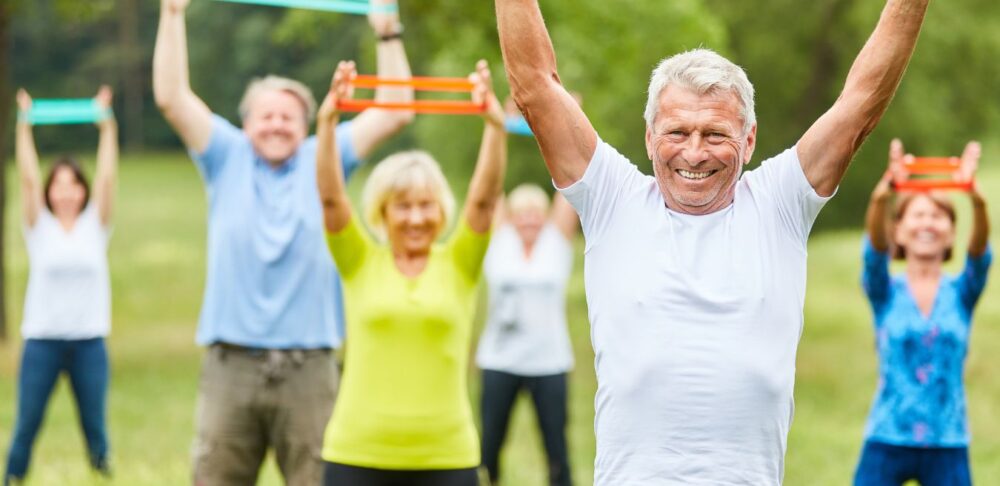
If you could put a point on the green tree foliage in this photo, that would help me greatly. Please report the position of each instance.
(796, 53)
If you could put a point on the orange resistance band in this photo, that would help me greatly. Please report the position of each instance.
(448, 107)
(943, 167)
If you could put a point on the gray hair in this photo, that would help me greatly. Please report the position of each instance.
(278, 83)
(703, 71)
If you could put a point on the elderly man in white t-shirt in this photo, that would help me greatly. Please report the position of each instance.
(696, 276)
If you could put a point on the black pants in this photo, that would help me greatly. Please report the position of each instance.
(344, 475)
(549, 394)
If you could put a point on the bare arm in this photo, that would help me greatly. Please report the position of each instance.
(826, 149)
(564, 217)
(107, 161)
(187, 114)
(374, 126)
(565, 136)
(980, 218)
(486, 186)
(27, 163)
(329, 170)
(878, 205)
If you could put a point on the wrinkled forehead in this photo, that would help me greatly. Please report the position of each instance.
(276, 101)
(717, 105)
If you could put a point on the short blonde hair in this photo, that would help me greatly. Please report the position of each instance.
(400, 172)
(278, 83)
(526, 197)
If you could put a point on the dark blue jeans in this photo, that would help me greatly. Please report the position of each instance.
(889, 465)
(42, 361)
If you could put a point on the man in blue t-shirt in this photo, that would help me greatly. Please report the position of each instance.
(271, 313)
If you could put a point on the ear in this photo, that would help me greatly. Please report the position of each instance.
(751, 141)
(649, 142)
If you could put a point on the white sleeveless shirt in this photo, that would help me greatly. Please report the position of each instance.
(69, 288)
(525, 330)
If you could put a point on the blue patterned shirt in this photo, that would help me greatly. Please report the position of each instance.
(920, 400)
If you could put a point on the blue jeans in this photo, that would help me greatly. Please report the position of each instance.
(42, 361)
(889, 465)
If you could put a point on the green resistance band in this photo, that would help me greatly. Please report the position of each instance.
(357, 7)
(64, 112)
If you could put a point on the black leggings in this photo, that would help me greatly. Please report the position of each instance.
(344, 475)
(549, 394)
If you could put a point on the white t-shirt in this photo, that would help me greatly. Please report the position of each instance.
(695, 322)
(525, 330)
(69, 289)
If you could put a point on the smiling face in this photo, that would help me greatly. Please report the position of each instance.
(413, 220)
(276, 125)
(925, 230)
(65, 194)
(528, 222)
(698, 148)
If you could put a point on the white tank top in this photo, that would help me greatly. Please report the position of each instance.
(525, 330)
(69, 288)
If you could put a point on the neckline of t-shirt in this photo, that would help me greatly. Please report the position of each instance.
(701, 217)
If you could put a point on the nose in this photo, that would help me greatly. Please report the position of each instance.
(693, 151)
(415, 216)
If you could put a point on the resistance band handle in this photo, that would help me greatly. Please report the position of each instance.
(443, 107)
(924, 185)
(357, 7)
(460, 85)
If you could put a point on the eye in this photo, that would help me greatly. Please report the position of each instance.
(676, 135)
(716, 137)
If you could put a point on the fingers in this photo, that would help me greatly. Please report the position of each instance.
(340, 86)
(23, 100)
(895, 151)
(104, 95)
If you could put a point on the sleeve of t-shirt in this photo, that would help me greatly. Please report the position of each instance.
(348, 155)
(780, 179)
(875, 278)
(350, 247)
(468, 249)
(972, 281)
(598, 194)
(224, 137)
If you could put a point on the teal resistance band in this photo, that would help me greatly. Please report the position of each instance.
(517, 125)
(64, 112)
(358, 7)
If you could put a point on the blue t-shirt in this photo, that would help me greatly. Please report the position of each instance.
(920, 400)
(271, 282)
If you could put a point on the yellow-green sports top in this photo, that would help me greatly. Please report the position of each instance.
(403, 402)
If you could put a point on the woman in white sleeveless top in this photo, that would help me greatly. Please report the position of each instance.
(67, 307)
(525, 344)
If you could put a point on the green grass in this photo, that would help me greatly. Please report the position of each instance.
(158, 262)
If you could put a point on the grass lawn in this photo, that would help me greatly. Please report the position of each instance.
(158, 263)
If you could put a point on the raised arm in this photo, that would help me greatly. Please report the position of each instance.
(980, 218)
(486, 187)
(565, 136)
(107, 160)
(878, 205)
(329, 171)
(374, 126)
(186, 113)
(27, 163)
(564, 216)
(826, 149)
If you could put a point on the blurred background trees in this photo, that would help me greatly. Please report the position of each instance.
(797, 54)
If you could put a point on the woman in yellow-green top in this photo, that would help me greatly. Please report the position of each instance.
(403, 415)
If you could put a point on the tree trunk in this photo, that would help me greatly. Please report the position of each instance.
(6, 98)
(131, 73)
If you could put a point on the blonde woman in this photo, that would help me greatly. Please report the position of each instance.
(403, 414)
(525, 345)
(67, 306)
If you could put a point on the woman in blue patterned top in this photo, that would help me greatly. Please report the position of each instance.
(917, 427)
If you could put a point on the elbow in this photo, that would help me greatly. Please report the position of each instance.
(533, 88)
(400, 119)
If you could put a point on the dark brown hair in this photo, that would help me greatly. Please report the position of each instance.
(67, 162)
(903, 203)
